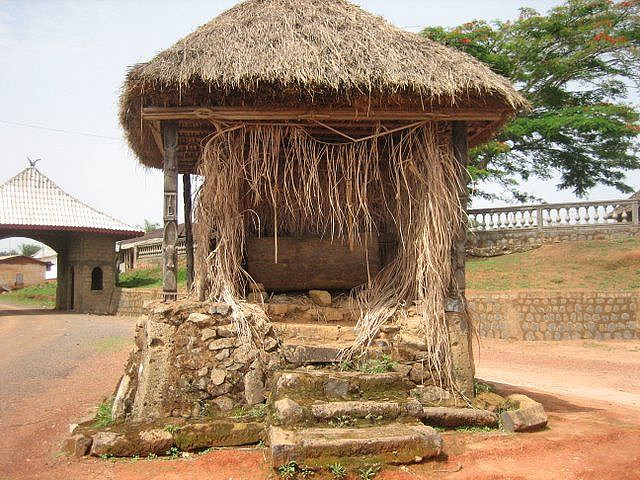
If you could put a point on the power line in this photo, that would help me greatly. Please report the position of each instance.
(58, 130)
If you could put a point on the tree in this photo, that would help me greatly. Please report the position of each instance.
(29, 249)
(149, 226)
(8, 253)
(576, 65)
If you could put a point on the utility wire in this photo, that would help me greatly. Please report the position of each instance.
(58, 130)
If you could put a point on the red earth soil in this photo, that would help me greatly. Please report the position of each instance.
(591, 391)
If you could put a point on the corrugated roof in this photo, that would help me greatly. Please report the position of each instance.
(31, 200)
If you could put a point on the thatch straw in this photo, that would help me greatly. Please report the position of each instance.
(308, 46)
(275, 179)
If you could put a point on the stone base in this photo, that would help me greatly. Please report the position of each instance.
(391, 444)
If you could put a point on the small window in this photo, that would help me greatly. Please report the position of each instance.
(96, 279)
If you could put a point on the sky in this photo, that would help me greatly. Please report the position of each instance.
(62, 64)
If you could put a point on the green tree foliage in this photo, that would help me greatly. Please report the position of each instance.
(149, 226)
(28, 249)
(576, 65)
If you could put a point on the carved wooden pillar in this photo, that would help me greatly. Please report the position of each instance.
(460, 331)
(461, 153)
(188, 231)
(170, 237)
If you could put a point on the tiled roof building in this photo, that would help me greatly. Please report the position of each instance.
(31, 199)
(33, 206)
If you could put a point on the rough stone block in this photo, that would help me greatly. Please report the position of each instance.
(458, 417)
(197, 436)
(288, 411)
(199, 318)
(362, 409)
(77, 445)
(321, 298)
(395, 444)
(308, 354)
(528, 417)
(432, 395)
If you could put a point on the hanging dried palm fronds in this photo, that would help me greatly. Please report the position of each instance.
(279, 180)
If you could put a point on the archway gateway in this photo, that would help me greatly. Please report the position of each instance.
(33, 206)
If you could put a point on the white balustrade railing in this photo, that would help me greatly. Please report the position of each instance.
(155, 249)
(556, 215)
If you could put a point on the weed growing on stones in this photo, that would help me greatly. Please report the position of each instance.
(103, 415)
(383, 364)
(173, 453)
(288, 470)
(368, 473)
(172, 428)
(343, 421)
(480, 387)
(257, 412)
(473, 429)
(338, 471)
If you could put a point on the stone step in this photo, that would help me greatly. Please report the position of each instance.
(309, 333)
(284, 312)
(349, 413)
(389, 444)
(308, 353)
(325, 384)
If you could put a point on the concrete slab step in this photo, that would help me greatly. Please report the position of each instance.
(390, 444)
(351, 413)
(331, 385)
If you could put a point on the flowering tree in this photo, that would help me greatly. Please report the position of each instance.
(577, 65)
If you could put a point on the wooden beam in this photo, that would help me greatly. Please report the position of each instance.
(188, 232)
(156, 131)
(326, 114)
(170, 215)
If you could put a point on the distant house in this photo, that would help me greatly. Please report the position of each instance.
(48, 255)
(17, 271)
(146, 251)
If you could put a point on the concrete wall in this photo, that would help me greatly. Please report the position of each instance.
(496, 242)
(540, 315)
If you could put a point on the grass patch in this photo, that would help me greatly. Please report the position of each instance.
(474, 429)
(103, 415)
(257, 412)
(42, 295)
(148, 278)
(608, 265)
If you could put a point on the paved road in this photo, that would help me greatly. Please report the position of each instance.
(40, 346)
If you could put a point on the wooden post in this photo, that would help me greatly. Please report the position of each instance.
(460, 331)
(461, 152)
(170, 237)
(188, 232)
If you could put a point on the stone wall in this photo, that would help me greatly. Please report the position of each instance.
(498, 242)
(129, 302)
(540, 315)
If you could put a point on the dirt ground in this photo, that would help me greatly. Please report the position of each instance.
(54, 367)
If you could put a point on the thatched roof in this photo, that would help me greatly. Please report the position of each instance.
(314, 46)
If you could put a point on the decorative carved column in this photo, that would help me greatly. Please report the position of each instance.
(188, 231)
(461, 153)
(170, 237)
(460, 331)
